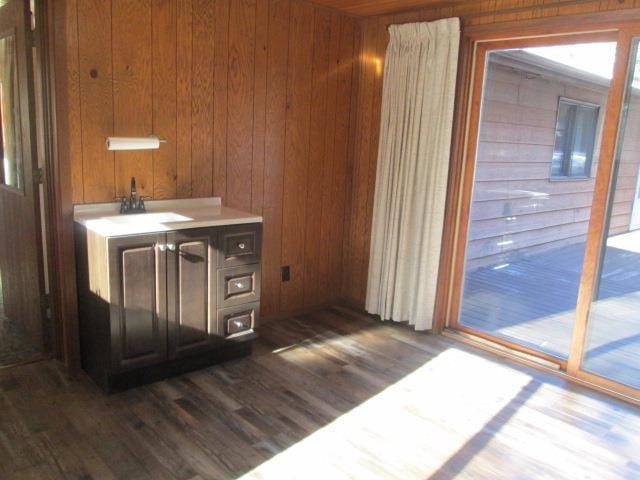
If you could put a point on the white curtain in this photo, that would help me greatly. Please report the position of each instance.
(413, 162)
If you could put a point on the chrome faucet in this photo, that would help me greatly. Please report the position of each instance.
(134, 203)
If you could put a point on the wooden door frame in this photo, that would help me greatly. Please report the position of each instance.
(476, 41)
(636, 204)
(58, 208)
(41, 146)
(25, 195)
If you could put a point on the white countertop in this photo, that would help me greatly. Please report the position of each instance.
(162, 216)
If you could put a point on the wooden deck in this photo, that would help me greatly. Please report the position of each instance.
(532, 300)
(333, 395)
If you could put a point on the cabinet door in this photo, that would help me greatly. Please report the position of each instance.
(191, 291)
(137, 280)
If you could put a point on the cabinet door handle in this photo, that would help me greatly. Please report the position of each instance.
(162, 247)
(171, 247)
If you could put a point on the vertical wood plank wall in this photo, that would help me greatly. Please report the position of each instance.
(374, 39)
(255, 100)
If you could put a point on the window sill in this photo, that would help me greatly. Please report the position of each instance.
(568, 179)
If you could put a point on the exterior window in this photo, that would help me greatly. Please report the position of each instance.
(10, 145)
(575, 139)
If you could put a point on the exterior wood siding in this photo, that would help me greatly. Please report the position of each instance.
(516, 204)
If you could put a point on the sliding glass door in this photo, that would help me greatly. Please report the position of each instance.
(612, 348)
(547, 252)
(538, 146)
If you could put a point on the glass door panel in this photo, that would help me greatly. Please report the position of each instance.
(612, 346)
(538, 146)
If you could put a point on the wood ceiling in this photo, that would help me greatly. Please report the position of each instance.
(366, 8)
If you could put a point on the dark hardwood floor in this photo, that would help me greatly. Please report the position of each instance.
(325, 396)
(15, 345)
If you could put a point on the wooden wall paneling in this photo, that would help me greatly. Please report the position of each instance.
(344, 132)
(164, 95)
(585, 7)
(517, 13)
(369, 68)
(241, 65)
(202, 98)
(70, 117)
(606, 5)
(259, 105)
(276, 110)
(296, 152)
(368, 8)
(96, 99)
(380, 49)
(355, 126)
(221, 98)
(184, 66)
(132, 96)
(470, 8)
(328, 219)
(318, 157)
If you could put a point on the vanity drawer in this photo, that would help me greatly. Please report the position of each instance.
(239, 245)
(238, 285)
(235, 322)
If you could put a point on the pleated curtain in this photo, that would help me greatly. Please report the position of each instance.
(413, 163)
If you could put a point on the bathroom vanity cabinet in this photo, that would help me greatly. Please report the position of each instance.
(160, 303)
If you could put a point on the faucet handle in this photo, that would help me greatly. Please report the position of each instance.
(141, 200)
(124, 203)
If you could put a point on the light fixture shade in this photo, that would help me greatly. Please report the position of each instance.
(151, 142)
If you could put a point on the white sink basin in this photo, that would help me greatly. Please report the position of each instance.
(114, 225)
(163, 216)
(146, 218)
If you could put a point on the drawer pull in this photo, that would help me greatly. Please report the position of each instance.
(238, 325)
(240, 285)
(242, 246)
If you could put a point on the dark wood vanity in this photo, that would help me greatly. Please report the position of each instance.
(157, 304)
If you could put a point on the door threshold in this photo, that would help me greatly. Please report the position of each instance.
(504, 350)
(534, 362)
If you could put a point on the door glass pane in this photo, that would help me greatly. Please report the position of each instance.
(532, 191)
(10, 145)
(613, 334)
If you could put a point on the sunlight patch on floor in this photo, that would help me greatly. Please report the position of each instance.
(416, 424)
